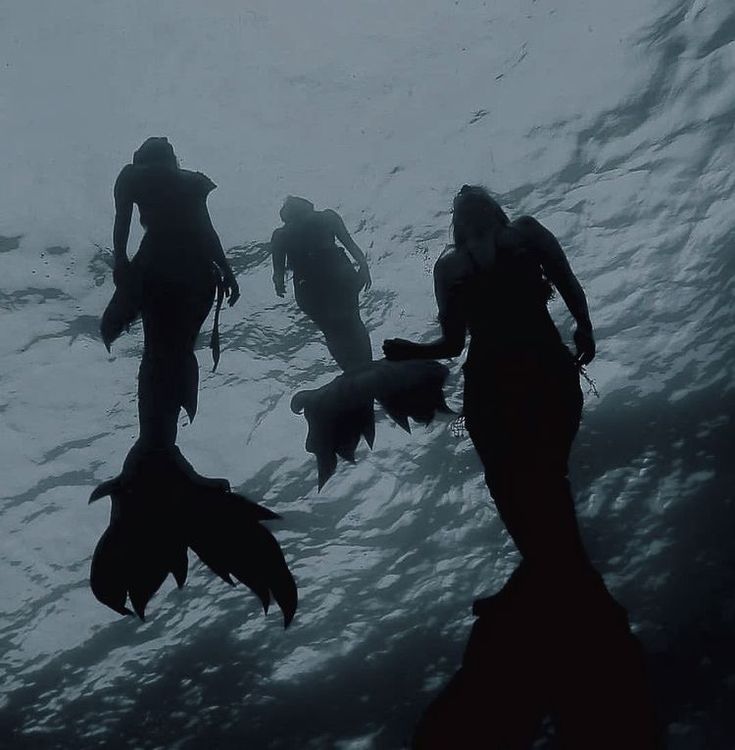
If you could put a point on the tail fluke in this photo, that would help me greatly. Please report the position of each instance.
(160, 507)
(225, 532)
(412, 389)
(107, 577)
(341, 412)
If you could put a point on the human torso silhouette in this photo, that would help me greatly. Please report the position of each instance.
(310, 246)
(171, 204)
(504, 306)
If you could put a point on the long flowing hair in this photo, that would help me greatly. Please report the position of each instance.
(476, 214)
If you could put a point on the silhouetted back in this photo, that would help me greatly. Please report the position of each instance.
(310, 245)
(170, 200)
(505, 307)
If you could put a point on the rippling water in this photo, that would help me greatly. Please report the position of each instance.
(611, 122)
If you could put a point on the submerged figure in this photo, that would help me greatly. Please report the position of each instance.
(171, 282)
(326, 285)
(160, 506)
(522, 400)
(553, 640)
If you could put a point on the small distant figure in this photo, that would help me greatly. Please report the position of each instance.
(326, 284)
(171, 282)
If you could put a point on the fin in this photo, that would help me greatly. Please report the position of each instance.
(224, 530)
(368, 429)
(341, 412)
(161, 506)
(299, 401)
(190, 387)
(105, 489)
(106, 577)
(326, 466)
(120, 313)
(399, 418)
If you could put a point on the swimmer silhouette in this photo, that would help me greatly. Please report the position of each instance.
(326, 285)
(522, 400)
(552, 640)
(171, 282)
(160, 505)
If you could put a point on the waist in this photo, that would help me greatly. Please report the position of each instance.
(501, 354)
(323, 265)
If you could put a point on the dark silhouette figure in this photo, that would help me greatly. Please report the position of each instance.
(341, 412)
(160, 505)
(171, 282)
(522, 406)
(326, 284)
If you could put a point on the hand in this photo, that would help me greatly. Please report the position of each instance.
(121, 271)
(232, 290)
(397, 350)
(279, 285)
(585, 343)
(363, 276)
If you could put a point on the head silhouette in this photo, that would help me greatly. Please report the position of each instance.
(295, 208)
(156, 152)
(476, 215)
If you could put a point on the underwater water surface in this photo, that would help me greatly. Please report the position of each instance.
(611, 123)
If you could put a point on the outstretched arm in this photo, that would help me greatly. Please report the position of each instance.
(340, 231)
(451, 319)
(559, 272)
(121, 228)
(278, 255)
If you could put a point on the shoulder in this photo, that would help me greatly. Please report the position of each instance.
(330, 217)
(534, 237)
(125, 182)
(277, 235)
(526, 227)
(127, 175)
(198, 181)
(451, 267)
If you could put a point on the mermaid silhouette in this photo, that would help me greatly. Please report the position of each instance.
(552, 640)
(326, 285)
(522, 400)
(160, 505)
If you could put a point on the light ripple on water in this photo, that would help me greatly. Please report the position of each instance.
(628, 157)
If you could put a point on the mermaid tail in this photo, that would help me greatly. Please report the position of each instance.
(341, 412)
(160, 508)
(546, 646)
